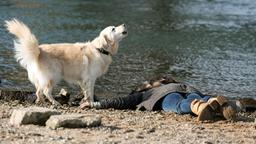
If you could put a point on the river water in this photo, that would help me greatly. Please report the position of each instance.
(210, 44)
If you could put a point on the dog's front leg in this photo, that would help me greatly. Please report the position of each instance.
(91, 90)
(88, 90)
(85, 91)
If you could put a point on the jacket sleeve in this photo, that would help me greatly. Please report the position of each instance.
(127, 102)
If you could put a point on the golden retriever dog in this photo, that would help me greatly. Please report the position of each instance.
(79, 63)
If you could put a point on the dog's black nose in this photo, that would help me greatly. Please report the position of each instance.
(124, 25)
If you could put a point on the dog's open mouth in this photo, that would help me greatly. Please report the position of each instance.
(124, 32)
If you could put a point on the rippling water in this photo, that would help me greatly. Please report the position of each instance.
(207, 43)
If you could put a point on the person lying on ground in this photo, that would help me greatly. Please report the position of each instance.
(169, 95)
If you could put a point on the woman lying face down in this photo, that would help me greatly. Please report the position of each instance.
(167, 94)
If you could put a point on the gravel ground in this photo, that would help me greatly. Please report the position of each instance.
(125, 126)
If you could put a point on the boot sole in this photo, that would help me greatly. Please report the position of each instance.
(206, 114)
(229, 112)
(221, 103)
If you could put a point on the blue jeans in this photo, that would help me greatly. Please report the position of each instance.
(177, 103)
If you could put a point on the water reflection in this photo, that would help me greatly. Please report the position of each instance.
(207, 43)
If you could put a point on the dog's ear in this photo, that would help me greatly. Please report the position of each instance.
(112, 45)
(107, 40)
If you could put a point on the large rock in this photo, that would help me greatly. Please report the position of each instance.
(73, 121)
(31, 115)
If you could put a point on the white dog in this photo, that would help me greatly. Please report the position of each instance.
(80, 63)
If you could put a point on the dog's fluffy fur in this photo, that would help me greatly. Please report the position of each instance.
(80, 63)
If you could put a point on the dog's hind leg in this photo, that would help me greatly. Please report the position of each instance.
(39, 95)
(48, 93)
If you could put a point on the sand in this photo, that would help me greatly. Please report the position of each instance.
(127, 126)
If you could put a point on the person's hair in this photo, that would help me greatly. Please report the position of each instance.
(155, 82)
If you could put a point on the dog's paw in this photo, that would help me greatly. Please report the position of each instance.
(85, 105)
(83, 101)
(55, 103)
(40, 101)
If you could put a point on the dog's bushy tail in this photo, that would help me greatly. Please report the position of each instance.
(26, 46)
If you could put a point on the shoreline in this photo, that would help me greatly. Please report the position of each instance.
(127, 126)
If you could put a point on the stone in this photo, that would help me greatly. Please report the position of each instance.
(31, 115)
(63, 97)
(63, 92)
(73, 121)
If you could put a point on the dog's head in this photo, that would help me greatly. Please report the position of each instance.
(111, 36)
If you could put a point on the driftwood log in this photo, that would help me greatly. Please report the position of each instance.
(249, 104)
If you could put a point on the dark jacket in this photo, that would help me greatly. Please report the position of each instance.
(147, 100)
(152, 96)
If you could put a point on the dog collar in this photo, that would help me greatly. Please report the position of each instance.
(103, 51)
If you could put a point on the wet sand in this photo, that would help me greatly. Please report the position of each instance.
(126, 126)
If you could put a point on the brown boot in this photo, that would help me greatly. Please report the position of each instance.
(221, 105)
(203, 110)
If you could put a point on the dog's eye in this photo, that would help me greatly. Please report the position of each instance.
(113, 29)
